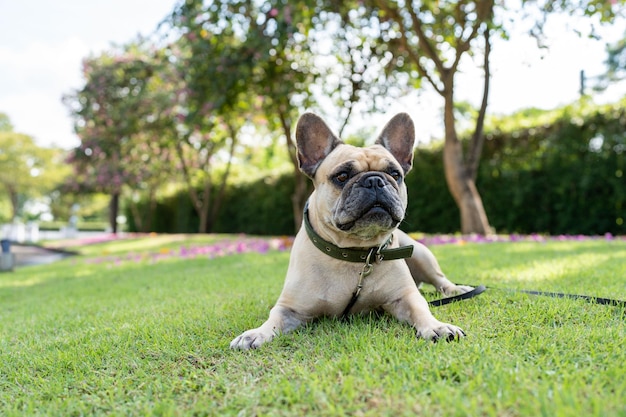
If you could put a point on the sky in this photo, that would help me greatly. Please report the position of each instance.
(42, 44)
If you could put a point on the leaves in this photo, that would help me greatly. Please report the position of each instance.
(26, 170)
(229, 73)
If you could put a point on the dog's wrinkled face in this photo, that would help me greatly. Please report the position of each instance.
(360, 191)
(364, 189)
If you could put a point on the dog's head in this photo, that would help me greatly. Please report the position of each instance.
(359, 192)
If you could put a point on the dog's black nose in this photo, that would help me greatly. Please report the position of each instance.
(373, 181)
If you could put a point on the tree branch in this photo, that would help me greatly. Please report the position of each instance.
(484, 10)
(355, 87)
(478, 138)
(192, 191)
(291, 145)
(217, 201)
(427, 47)
(406, 47)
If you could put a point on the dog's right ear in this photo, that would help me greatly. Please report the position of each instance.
(315, 141)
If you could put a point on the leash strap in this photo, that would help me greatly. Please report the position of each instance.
(346, 311)
(481, 288)
(383, 254)
(588, 298)
(470, 294)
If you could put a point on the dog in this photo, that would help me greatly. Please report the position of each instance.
(349, 256)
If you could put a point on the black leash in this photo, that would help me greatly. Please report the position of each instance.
(481, 288)
(588, 298)
(373, 255)
(470, 294)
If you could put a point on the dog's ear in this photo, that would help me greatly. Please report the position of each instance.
(315, 141)
(398, 137)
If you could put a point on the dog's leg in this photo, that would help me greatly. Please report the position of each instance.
(425, 268)
(413, 309)
(281, 320)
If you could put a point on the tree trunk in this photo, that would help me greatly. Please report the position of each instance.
(458, 176)
(15, 204)
(151, 210)
(114, 207)
(299, 197)
(137, 217)
(200, 203)
(301, 188)
(202, 207)
(143, 219)
(219, 195)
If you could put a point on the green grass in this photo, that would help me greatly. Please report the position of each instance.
(142, 244)
(135, 339)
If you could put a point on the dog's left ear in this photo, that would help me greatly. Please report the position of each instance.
(398, 137)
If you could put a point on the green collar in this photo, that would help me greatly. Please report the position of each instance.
(355, 254)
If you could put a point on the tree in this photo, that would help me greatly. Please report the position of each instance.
(112, 114)
(616, 60)
(243, 58)
(432, 40)
(26, 170)
(615, 66)
(266, 60)
(233, 61)
(209, 72)
(319, 58)
(5, 123)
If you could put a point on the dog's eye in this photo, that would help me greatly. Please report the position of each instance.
(342, 177)
(396, 175)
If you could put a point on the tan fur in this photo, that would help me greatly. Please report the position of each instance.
(318, 285)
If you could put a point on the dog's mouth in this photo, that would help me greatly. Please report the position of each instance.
(379, 207)
(377, 213)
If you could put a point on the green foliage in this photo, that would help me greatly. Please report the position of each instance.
(112, 114)
(226, 70)
(153, 112)
(431, 207)
(120, 117)
(81, 225)
(5, 123)
(88, 207)
(262, 207)
(562, 175)
(27, 171)
(615, 65)
(138, 339)
(171, 214)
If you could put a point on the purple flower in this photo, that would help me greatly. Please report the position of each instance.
(244, 244)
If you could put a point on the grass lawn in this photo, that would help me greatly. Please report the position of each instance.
(137, 336)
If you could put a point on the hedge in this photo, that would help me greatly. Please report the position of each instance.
(564, 177)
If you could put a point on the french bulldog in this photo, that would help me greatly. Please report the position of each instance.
(349, 256)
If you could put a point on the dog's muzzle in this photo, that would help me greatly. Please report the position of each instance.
(371, 199)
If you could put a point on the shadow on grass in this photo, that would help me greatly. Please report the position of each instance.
(597, 267)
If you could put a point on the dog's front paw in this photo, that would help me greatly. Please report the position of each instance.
(453, 290)
(251, 339)
(440, 331)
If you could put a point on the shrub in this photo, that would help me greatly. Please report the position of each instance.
(564, 176)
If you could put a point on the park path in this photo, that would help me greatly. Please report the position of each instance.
(36, 255)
